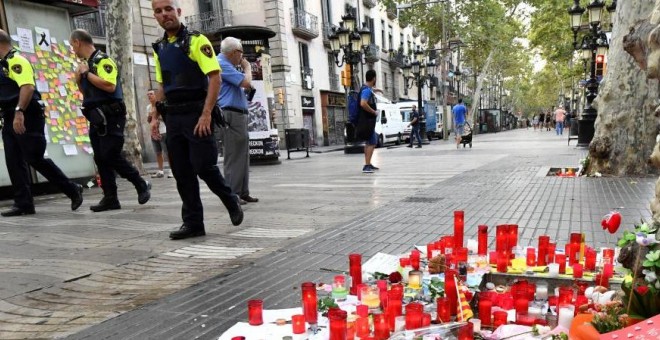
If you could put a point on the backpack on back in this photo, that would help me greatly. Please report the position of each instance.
(354, 106)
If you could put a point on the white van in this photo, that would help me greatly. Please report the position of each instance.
(433, 119)
(389, 125)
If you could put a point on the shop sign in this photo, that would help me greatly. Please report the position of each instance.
(307, 102)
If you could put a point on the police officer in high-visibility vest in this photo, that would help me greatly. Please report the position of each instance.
(189, 76)
(103, 106)
(23, 132)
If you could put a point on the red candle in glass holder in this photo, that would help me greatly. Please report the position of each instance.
(309, 302)
(461, 254)
(492, 257)
(577, 271)
(482, 238)
(362, 310)
(255, 312)
(502, 263)
(608, 270)
(608, 256)
(381, 284)
(394, 302)
(362, 327)
(426, 320)
(338, 326)
(450, 291)
(414, 313)
(414, 259)
(298, 323)
(381, 328)
(499, 318)
(590, 259)
(442, 304)
(459, 227)
(573, 253)
(383, 299)
(552, 248)
(355, 270)
(544, 241)
(521, 305)
(513, 236)
(485, 307)
(565, 296)
(531, 257)
(561, 260)
(502, 237)
(466, 332)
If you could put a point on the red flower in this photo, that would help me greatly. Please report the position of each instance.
(642, 290)
(395, 277)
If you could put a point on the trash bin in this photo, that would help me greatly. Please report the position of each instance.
(296, 140)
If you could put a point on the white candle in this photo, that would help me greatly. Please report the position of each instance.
(553, 269)
(541, 292)
(476, 324)
(566, 316)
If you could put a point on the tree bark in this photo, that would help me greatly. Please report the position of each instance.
(119, 35)
(477, 93)
(625, 126)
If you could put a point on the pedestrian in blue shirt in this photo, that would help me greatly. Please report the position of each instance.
(234, 104)
(459, 111)
(366, 128)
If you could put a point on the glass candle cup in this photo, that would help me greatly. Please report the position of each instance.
(370, 297)
(339, 290)
(255, 312)
(298, 324)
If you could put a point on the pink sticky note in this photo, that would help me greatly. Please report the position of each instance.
(53, 122)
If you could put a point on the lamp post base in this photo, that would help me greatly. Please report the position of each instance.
(354, 148)
(586, 131)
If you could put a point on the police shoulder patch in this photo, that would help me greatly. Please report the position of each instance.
(17, 68)
(107, 68)
(207, 50)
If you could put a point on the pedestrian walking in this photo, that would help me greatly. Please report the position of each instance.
(159, 144)
(23, 132)
(233, 101)
(103, 106)
(366, 128)
(414, 131)
(189, 77)
(535, 122)
(459, 111)
(560, 115)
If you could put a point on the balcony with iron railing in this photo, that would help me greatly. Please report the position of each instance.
(327, 32)
(307, 77)
(334, 81)
(397, 58)
(372, 53)
(304, 25)
(391, 12)
(94, 23)
(370, 3)
(211, 21)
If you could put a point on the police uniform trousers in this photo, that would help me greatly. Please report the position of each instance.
(28, 149)
(108, 157)
(237, 152)
(194, 156)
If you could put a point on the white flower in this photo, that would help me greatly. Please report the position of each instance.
(645, 240)
(649, 275)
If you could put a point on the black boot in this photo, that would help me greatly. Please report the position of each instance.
(109, 202)
(77, 197)
(144, 192)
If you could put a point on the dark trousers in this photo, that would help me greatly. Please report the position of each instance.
(194, 156)
(414, 132)
(108, 157)
(28, 149)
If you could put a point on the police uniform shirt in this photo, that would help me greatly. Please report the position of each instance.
(201, 52)
(20, 70)
(106, 69)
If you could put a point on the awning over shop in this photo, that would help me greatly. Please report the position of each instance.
(89, 3)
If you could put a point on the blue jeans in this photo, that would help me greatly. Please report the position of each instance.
(414, 132)
(559, 126)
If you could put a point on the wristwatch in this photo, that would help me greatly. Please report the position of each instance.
(18, 109)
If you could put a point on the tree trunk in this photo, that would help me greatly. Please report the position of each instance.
(477, 93)
(119, 34)
(625, 126)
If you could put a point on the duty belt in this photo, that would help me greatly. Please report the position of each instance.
(235, 109)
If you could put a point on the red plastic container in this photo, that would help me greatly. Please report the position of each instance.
(255, 312)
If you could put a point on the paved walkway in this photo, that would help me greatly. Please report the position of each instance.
(63, 271)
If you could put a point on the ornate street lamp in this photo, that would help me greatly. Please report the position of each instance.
(594, 42)
(419, 72)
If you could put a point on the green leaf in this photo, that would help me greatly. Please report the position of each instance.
(630, 237)
(647, 263)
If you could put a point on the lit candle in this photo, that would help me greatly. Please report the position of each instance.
(499, 318)
(566, 314)
(381, 328)
(521, 305)
(501, 238)
(552, 247)
(502, 263)
(298, 323)
(608, 256)
(492, 257)
(531, 257)
(255, 312)
(362, 327)
(482, 237)
(485, 307)
(339, 291)
(371, 297)
(544, 240)
(458, 228)
(513, 237)
(450, 291)
(590, 259)
(415, 279)
(561, 260)
(309, 302)
(608, 270)
(362, 310)
(442, 305)
(338, 326)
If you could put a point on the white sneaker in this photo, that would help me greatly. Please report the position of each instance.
(158, 174)
(170, 175)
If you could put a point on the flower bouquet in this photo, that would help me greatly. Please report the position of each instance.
(640, 253)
